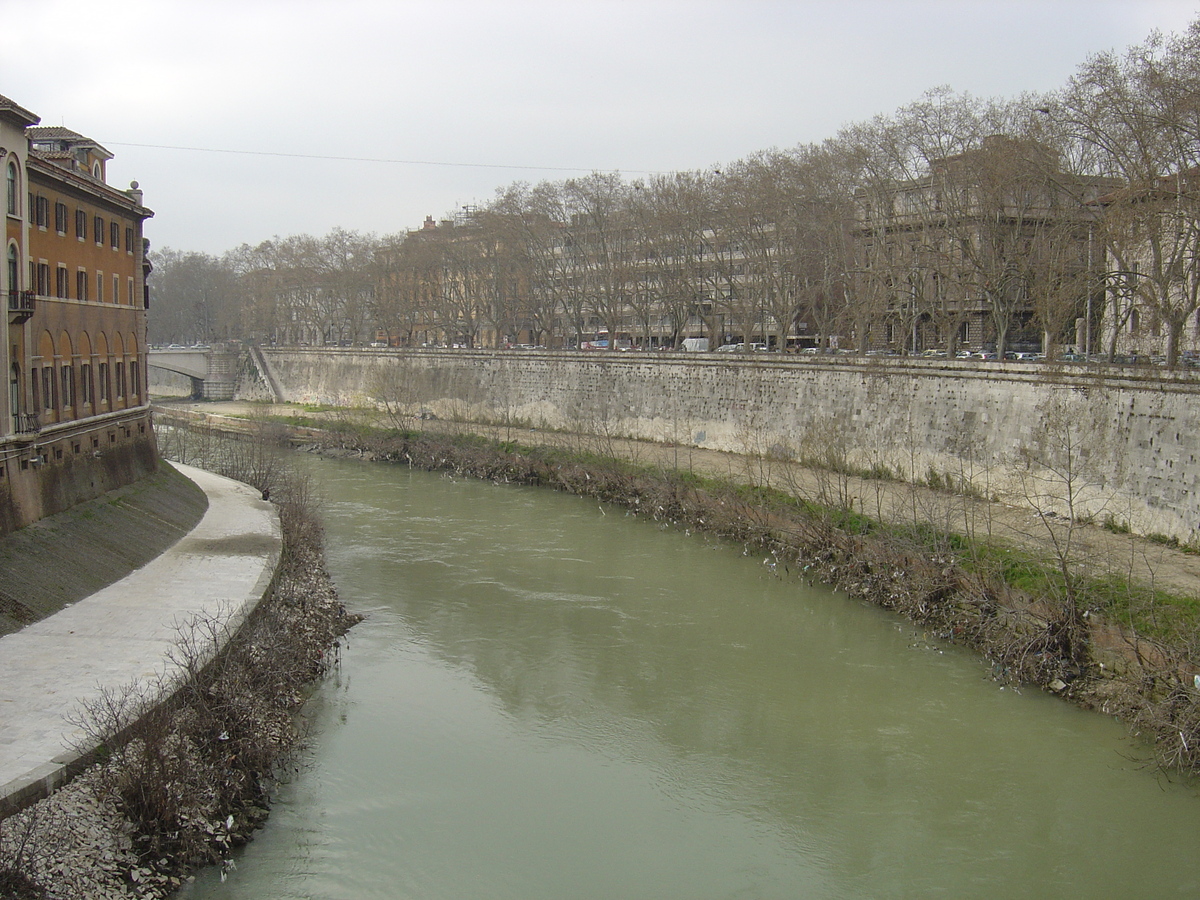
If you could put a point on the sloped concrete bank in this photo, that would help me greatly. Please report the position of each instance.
(127, 633)
(93, 544)
(195, 666)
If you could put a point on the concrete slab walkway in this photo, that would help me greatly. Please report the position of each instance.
(124, 633)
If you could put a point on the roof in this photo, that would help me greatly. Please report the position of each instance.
(65, 135)
(12, 110)
(1184, 184)
(129, 200)
(55, 132)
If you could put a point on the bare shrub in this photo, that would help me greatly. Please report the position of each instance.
(188, 759)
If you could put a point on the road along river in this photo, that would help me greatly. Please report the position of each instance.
(551, 699)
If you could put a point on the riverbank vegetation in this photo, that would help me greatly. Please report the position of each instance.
(1051, 619)
(179, 784)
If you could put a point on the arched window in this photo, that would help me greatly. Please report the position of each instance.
(14, 271)
(14, 192)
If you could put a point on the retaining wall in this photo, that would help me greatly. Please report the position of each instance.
(1119, 443)
(71, 462)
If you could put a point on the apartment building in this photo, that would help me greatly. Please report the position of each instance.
(990, 248)
(1151, 237)
(75, 421)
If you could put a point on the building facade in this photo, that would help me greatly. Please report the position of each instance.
(990, 249)
(1151, 238)
(75, 421)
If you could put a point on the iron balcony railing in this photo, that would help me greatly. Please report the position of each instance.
(26, 423)
(21, 303)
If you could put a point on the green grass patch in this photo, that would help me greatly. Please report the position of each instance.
(1153, 613)
(1174, 543)
(1111, 523)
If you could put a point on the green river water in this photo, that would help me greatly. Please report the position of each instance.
(553, 700)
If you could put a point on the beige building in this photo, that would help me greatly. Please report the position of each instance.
(1151, 237)
(992, 248)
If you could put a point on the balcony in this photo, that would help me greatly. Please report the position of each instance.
(26, 425)
(20, 306)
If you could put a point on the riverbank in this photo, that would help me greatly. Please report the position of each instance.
(93, 544)
(1052, 618)
(177, 784)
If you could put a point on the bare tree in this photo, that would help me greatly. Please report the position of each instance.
(195, 298)
(1137, 117)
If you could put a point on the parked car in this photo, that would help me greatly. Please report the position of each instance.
(740, 347)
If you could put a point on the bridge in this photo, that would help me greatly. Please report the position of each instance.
(213, 370)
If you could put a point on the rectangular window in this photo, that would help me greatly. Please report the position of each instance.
(99, 287)
(68, 387)
(43, 279)
(114, 235)
(48, 388)
(120, 380)
(98, 230)
(35, 389)
(130, 286)
(85, 384)
(60, 218)
(103, 378)
(116, 294)
(81, 224)
(81, 284)
(135, 378)
(128, 240)
(62, 283)
(43, 212)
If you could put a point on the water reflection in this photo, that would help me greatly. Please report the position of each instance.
(551, 700)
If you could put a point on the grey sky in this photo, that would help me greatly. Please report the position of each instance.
(495, 90)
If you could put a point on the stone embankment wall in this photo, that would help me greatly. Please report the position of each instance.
(72, 462)
(1112, 443)
(165, 383)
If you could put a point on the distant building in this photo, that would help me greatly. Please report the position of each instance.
(1151, 236)
(989, 249)
(75, 421)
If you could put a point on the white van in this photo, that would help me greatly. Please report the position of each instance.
(694, 345)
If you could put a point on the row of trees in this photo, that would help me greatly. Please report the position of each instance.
(952, 220)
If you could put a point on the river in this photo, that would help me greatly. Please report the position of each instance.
(552, 699)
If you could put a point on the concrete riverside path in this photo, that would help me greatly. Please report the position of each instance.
(124, 634)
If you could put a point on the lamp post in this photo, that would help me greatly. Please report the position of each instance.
(1091, 277)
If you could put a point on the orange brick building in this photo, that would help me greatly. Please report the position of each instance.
(75, 421)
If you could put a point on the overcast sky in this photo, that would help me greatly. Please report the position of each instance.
(458, 98)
